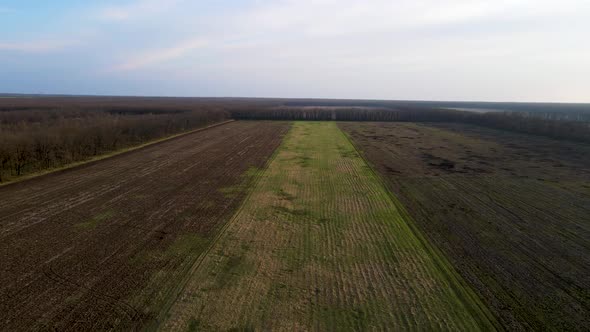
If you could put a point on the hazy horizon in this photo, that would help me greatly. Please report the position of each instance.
(501, 51)
(42, 95)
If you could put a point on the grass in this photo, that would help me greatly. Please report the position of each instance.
(321, 244)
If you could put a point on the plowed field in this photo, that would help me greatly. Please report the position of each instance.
(103, 246)
(510, 211)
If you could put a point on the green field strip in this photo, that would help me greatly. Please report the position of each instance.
(321, 244)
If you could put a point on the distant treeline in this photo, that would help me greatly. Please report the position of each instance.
(34, 140)
(532, 124)
(38, 133)
(529, 123)
(579, 116)
(577, 109)
(344, 114)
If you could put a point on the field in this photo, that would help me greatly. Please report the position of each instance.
(320, 244)
(429, 219)
(510, 211)
(102, 246)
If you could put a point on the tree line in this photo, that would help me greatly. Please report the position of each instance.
(44, 133)
(35, 140)
(559, 127)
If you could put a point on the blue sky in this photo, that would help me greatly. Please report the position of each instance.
(517, 50)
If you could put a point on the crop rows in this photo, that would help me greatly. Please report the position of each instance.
(104, 245)
(250, 225)
(510, 211)
(321, 245)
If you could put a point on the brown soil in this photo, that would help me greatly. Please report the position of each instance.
(102, 246)
(509, 210)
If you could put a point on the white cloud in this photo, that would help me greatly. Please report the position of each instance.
(325, 18)
(330, 17)
(154, 57)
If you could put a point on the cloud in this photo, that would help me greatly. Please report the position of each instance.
(345, 16)
(320, 47)
(154, 57)
(326, 18)
(137, 9)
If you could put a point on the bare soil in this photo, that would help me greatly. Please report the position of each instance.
(102, 246)
(509, 210)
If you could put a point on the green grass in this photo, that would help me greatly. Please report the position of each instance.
(321, 244)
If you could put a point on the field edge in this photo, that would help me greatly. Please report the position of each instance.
(466, 292)
(113, 154)
(157, 322)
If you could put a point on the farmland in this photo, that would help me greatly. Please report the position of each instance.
(510, 211)
(102, 246)
(42, 134)
(320, 244)
(129, 213)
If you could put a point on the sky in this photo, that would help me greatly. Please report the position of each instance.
(500, 50)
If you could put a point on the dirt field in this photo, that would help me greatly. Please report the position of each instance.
(510, 211)
(103, 246)
(320, 245)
